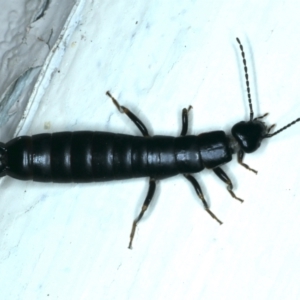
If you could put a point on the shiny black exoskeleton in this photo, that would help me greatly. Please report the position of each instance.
(86, 156)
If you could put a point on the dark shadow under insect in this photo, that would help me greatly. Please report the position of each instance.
(86, 156)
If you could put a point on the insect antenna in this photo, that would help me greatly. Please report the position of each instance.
(281, 129)
(247, 79)
(268, 135)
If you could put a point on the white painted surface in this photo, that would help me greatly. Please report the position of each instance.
(70, 241)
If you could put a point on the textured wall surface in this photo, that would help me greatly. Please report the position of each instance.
(70, 241)
(28, 32)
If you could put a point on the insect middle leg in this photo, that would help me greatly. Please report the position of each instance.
(151, 190)
(224, 177)
(198, 190)
(122, 109)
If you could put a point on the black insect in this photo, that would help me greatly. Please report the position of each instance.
(86, 156)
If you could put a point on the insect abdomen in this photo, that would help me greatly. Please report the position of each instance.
(86, 156)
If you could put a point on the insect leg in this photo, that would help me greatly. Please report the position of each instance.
(198, 190)
(122, 109)
(185, 120)
(151, 190)
(223, 176)
(240, 156)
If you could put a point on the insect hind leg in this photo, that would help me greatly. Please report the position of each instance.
(122, 109)
(150, 194)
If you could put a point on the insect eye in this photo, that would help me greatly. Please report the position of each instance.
(249, 135)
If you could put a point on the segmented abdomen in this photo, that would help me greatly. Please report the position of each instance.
(86, 156)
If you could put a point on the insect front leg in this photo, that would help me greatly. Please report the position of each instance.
(198, 190)
(122, 109)
(185, 120)
(151, 190)
(240, 157)
(223, 176)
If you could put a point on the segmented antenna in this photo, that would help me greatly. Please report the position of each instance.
(281, 129)
(247, 79)
(268, 135)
